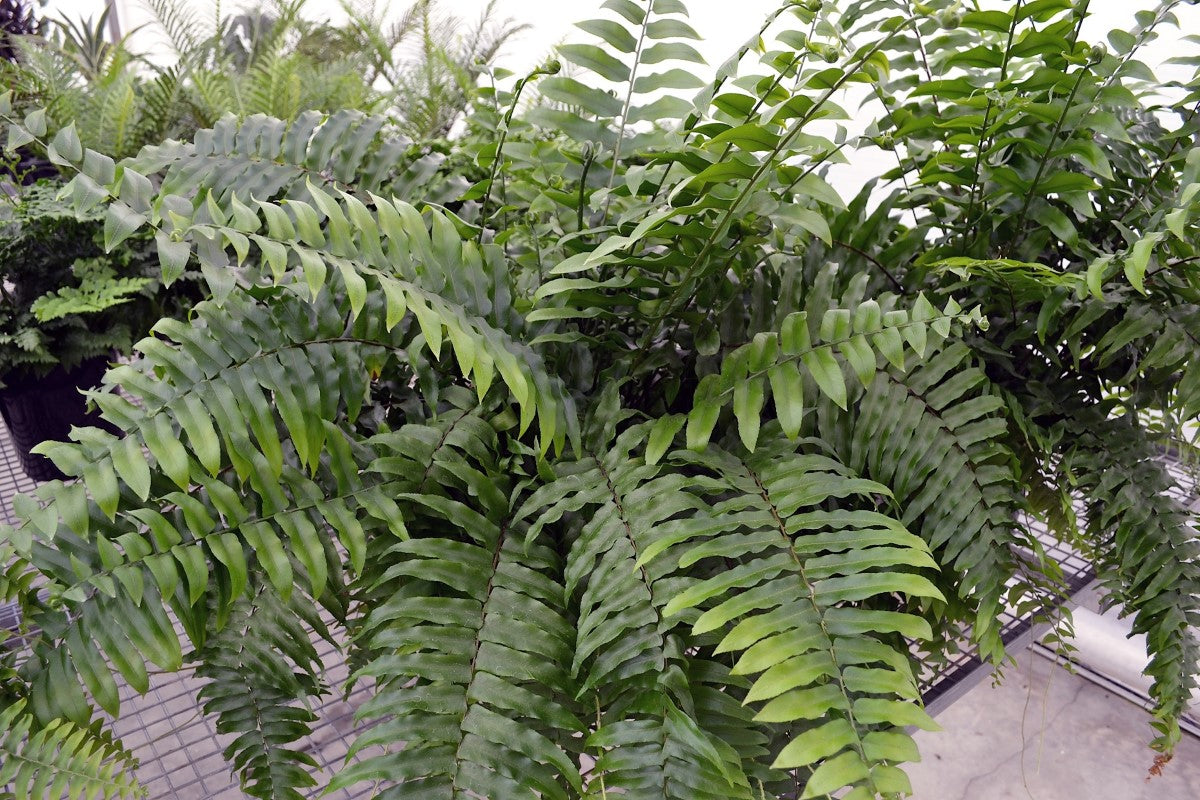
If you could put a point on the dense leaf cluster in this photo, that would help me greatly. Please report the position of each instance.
(626, 456)
(271, 58)
(63, 299)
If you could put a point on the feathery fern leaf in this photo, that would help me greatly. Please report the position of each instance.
(59, 757)
(630, 662)
(1149, 557)
(260, 665)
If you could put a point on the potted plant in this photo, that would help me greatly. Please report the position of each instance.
(653, 470)
(65, 307)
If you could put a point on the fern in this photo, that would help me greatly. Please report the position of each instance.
(630, 457)
(815, 659)
(90, 296)
(1148, 558)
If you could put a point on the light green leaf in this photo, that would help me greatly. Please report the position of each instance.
(843, 770)
(35, 122)
(662, 434)
(748, 398)
(825, 371)
(173, 256)
(66, 144)
(596, 59)
(131, 465)
(787, 390)
(612, 32)
(817, 744)
(1138, 259)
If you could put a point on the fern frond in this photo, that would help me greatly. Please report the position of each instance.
(469, 653)
(799, 605)
(268, 158)
(1149, 557)
(261, 667)
(862, 337)
(629, 661)
(635, 39)
(934, 438)
(179, 22)
(61, 758)
(87, 298)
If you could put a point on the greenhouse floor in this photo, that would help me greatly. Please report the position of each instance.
(1045, 734)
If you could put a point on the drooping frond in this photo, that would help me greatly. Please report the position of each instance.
(265, 157)
(932, 435)
(788, 361)
(262, 669)
(1149, 556)
(468, 658)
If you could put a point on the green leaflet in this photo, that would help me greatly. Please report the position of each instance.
(855, 336)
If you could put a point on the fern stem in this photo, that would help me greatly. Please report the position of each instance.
(684, 288)
(455, 789)
(984, 139)
(512, 108)
(589, 158)
(899, 287)
(637, 60)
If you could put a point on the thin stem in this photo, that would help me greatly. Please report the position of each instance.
(637, 61)
(984, 141)
(924, 60)
(896, 283)
(512, 108)
(1049, 151)
(589, 158)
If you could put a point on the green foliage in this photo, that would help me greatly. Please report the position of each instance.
(632, 458)
(65, 300)
(99, 289)
(259, 665)
(420, 70)
(60, 758)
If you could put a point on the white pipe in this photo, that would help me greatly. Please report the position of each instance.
(1104, 644)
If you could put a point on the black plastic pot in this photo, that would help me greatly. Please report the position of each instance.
(44, 409)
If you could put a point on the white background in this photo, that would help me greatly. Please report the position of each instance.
(724, 24)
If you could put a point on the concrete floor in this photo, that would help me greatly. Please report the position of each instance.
(1044, 734)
